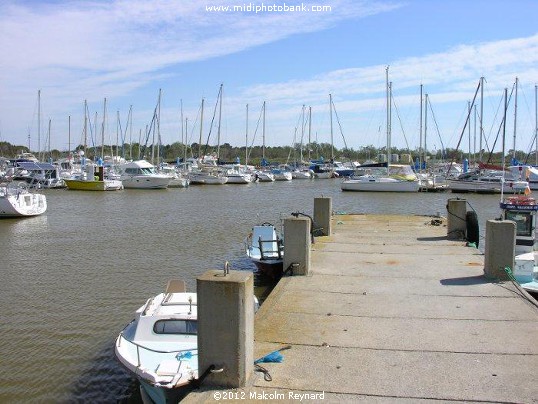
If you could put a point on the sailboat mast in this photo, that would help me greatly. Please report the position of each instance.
(536, 121)
(422, 107)
(85, 124)
(220, 119)
(246, 137)
(201, 129)
(302, 137)
(388, 117)
(504, 126)
(159, 130)
(103, 131)
(263, 132)
(425, 151)
(38, 124)
(481, 116)
(331, 119)
(69, 136)
(309, 131)
(515, 121)
(469, 109)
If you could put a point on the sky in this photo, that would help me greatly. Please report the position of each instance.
(130, 51)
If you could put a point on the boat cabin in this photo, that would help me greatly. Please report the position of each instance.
(522, 210)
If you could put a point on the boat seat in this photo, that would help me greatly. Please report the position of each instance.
(175, 286)
(168, 368)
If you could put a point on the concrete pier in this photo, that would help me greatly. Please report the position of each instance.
(225, 335)
(393, 311)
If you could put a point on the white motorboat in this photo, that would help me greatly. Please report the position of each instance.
(400, 178)
(160, 346)
(38, 175)
(265, 248)
(141, 174)
(17, 201)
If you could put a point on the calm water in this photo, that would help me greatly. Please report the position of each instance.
(72, 278)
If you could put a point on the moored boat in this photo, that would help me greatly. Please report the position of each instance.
(523, 209)
(265, 248)
(160, 346)
(141, 174)
(17, 201)
(90, 180)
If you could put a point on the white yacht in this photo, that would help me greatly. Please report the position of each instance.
(17, 201)
(400, 178)
(142, 175)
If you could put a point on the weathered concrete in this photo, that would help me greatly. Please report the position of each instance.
(323, 209)
(297, 244)
(500, 248)
(226, 326)
(456, 222)
(394, 312)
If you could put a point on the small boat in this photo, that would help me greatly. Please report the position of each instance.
(399, 178)
(522, 209)
(265, 176)
(90, 180)
(266, 249)
(160, 346)
(141, 174)
(38, 175)
(17, 201)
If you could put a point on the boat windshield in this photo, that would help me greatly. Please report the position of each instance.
(523, 222)
(173, 326)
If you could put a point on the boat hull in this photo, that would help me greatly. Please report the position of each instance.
(93, 185)
(26, 204)
(272, 269)
(146, 182)
(380, 186)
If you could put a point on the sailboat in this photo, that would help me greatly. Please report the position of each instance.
(396, 177)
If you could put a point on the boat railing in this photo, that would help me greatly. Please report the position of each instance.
(143, 348)
(269, 252)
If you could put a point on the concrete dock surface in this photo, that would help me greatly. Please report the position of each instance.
(393, 311)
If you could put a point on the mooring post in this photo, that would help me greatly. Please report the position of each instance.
(500, 250)
(226, 327)
(322, 216)
(456, 222)
(297, 244)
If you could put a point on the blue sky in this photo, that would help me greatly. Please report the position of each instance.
(125, 51)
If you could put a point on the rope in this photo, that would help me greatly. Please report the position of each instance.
(520, 291)
(266, 375)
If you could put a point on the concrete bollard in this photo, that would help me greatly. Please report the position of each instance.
(456, 223)
(226, 327)
(500, 248)
(323, 208)
(297, 244)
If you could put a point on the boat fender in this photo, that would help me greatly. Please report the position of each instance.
(473, 232)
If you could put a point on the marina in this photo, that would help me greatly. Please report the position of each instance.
(75, 275)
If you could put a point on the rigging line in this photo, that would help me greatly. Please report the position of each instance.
(503, 123)
(399, 120)
(464, 127)
(436, 126)
(255, 131)
(212, 121)
(339, 125)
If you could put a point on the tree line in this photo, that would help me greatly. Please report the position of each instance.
(273, 154)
